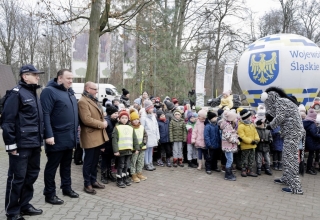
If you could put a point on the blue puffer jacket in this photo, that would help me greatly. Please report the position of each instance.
(277, 143)
(312, 137)
(60, 113)
(164, 131)
(212, 136)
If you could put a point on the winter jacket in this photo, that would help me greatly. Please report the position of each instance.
(109, 130)
(164, 131)
(144, 139)
(265, 140)
(22, 117)
(226, 102)
(212, 136)
(177, 130)
(60, 113)
(93, 134)
(124, 100)
(230, 138)
(312, 137)
(150, 124)
(115, 140)
(277, 140)
(198, 134)
(248, 133)
(189, 127)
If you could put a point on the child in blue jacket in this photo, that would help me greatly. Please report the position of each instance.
(213, 143)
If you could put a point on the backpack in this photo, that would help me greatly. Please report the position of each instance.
(4, 98)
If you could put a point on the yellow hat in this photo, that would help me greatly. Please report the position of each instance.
(239, 110)
(133, 115)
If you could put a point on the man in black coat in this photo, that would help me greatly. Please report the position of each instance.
(60, 112)
(23, 136)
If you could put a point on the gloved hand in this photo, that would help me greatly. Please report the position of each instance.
(259, 122)
(268, 127)
(269, 117)
(240, 139)
(253, 142)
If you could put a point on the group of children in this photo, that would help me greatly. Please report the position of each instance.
(207, 135)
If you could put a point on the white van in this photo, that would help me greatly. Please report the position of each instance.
(106, 91)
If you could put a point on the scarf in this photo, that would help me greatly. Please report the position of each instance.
(247, 122)
(94, 99)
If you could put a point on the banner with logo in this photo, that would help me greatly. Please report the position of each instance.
(200, 76)
(227, 79)
(80, 44)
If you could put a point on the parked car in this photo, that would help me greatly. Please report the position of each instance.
(105, 91)
(237, 100)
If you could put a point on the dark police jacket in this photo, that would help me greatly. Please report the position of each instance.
(22, 118)
(60, 113)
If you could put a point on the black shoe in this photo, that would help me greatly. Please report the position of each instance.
(209, 172)
(16, 217)
(279, 166)
(110, 176)
(259, 171)
(104, 178)
(31, 211)
(192, 165)
(54, 200)
(126, 180)
(311, 171)
(70, 193)
(275, 166)
(217, 170)
(120, 183)
(268, 171)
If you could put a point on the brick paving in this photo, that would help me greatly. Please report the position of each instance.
(177, 193)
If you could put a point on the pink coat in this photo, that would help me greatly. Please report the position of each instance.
(230, 139)
(197, 134)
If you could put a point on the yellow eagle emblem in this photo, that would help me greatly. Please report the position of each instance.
(263, 69)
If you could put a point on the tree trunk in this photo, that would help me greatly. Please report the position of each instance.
(93, 47)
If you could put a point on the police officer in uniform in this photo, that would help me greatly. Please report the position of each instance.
(22, 125)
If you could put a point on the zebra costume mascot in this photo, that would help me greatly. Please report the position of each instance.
(282, 110)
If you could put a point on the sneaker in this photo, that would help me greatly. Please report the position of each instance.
(160, 163)
(288, 190)
(278, 181)
(311, 171)
(152, 167)
(209, 172)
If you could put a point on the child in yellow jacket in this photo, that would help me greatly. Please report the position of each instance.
(249, 139)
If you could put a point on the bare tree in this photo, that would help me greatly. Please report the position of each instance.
(101, 14)
(309, 13)
(9, 11)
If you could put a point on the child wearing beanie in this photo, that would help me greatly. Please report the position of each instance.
(178, 135)
(192, 151)
(124, 141)
(164, 142)
(137, 159)
(150, 124)
(124, 99)
(213, 143)
(312, 138)
(249, 139)
(230, 140)
(263, 147)
(198, 135)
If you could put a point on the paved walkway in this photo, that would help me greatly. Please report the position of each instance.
(177, 193)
